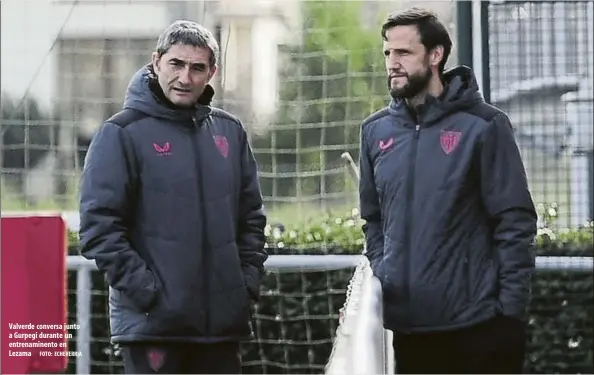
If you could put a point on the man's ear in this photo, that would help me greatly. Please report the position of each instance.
(436, 56)
(213, 71)
(156, 59)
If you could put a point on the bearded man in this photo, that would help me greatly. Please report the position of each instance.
(450, 221)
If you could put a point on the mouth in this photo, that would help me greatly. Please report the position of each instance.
(182, 91)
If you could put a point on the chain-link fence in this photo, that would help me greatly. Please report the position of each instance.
(297, 319)
(541, 68)
(294, 323)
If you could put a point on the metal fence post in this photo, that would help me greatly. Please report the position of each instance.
(83, 319)
(473, 41)
(464, 31)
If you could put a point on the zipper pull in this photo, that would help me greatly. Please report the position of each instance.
(417, 131)
(196, 126)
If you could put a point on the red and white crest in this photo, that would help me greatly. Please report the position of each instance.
(156, 358)
(222, 144)
(449, 140)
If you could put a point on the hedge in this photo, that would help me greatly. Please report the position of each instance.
(297, 317)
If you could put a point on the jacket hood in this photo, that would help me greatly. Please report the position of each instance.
(461, 91)
(144, 94)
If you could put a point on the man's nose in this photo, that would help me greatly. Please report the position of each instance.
(393, 65)
(184, 76)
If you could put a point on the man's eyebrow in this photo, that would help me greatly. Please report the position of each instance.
(398, 50)
(182, 62)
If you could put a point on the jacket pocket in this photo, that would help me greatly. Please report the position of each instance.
(466, 276)
(176, 315)
(226, 273)
(230, 313)
(120, 299)
(230, 300)
(468, 279)
(124, 316)
(178, 309)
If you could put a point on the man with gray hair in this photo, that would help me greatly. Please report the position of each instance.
(171, 212)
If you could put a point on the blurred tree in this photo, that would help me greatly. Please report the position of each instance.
(331, 83)
(26, 138)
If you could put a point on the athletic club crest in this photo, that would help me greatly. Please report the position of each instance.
(449, 140)
(222, 144)
(156, 358)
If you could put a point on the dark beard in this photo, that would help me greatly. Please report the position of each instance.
(415, 85)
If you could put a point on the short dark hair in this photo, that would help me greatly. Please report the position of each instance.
(188, 33)
(433, 33)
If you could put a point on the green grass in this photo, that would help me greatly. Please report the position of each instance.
(292, 215)
(13, 201)
(296, 215)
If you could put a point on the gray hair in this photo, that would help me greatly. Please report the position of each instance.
(188, 33)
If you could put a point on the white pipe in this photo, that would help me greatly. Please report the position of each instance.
(332, 262)
(477, 43)
(276, 263)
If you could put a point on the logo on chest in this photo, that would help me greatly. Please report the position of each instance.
(164, 150)
(385, 144)
(449, 140)
(222, 144)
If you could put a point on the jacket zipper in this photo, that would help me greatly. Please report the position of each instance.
(204, 234)
(467, 270)
(409, 217)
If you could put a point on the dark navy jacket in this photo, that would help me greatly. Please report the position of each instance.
(171, 212)
(450, 223)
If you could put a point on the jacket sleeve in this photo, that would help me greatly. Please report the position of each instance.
(370, 208)
(252, 221)
(107, 192)
(509, 205)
